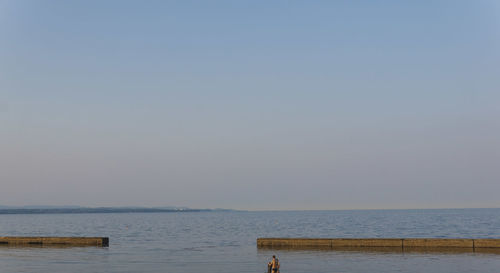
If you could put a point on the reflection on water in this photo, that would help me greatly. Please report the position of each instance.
(34, 246)
(421, 250)
(219, 242)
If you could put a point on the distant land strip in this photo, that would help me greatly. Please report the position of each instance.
(99, 210)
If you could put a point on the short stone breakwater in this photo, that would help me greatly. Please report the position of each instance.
(55, 241)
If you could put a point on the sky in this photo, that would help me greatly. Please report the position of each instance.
(258, 105)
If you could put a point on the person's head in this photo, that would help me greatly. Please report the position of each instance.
(274, 257)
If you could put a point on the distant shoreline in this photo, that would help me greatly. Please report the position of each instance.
(98, 210)
(81, 210)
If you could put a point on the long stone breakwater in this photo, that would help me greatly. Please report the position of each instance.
(410, 243)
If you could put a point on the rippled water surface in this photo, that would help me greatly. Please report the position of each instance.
(218, 242)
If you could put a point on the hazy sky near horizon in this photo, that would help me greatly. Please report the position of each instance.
(250, 104)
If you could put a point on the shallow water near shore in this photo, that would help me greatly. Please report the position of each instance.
(218, 242)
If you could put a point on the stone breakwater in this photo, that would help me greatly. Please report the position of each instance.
(55, 241)
(406, 243)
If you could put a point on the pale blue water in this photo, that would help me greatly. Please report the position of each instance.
(218, 242)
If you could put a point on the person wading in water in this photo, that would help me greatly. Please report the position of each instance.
(274, 265)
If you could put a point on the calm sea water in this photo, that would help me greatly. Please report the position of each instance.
(218, 242)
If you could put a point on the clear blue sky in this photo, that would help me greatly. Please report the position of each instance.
(250, 104)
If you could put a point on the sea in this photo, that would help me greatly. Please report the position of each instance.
(225, 241)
